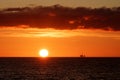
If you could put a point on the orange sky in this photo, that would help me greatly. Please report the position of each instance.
(68, 29)
(21, 42)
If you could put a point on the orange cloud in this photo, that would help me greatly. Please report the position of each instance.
(51, 32)
(60, 17)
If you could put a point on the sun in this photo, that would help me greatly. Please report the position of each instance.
(43, 53)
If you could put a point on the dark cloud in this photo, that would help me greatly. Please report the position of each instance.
(60, 17)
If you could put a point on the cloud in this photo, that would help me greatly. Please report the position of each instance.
(53, 33)
(60, 17)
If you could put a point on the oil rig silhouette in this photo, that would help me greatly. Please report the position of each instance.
(82, 56)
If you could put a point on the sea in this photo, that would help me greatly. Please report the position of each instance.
(59, 68)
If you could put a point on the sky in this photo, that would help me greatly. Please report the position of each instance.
(70, 3)
(65, 28)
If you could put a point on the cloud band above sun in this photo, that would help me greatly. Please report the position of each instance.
(49, 32)
(59, 17)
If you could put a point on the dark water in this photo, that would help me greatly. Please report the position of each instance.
(60, 69)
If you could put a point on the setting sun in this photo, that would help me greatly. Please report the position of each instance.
(43, 53)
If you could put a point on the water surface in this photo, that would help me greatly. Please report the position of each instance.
(59, 68)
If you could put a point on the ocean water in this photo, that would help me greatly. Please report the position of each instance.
(59, 68)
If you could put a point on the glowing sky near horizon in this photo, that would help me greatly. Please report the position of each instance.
(22, 42)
